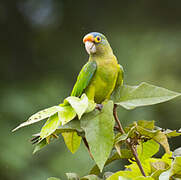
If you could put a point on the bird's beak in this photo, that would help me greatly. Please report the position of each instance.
(89, 43)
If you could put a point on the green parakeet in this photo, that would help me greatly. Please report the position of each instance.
(102, 73)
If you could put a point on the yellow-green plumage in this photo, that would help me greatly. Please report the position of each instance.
(101, 74)
(104, 80)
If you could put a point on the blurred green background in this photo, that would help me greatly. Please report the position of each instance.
(42, 53)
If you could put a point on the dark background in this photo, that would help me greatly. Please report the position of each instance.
(41, 53)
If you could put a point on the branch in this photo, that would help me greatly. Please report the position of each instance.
(128, 141)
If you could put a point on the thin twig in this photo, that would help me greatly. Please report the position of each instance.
(128, 141)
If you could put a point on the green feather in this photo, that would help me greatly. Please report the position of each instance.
(84, 78)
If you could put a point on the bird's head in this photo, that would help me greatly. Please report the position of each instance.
(96, 44)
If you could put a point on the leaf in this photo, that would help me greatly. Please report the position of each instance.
(133, 167)
(125, 174)
(107, 174)
(73, 125)
(172, 133)
(40, 145)
(46, 113)
(50, 126)
(159, 165)
(147, 149)
(66, 114)
(176, 168)
(146, 124)
(98, 127)
(80, 105)
(156, 135)
(167, 158)
(72, 140)
(156, 174)
(72, 176)
(90, 177)
(144, 94)
(143, 178)
(146, 132)
(118, 141)
(125, 154)
(177, 152)
(124, 178)
(53, 178)
(91, 106)
(120, 137)
(165, 175)
(161, 138)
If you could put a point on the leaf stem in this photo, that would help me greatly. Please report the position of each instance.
(128, 141)
(117, 119)
(87, 146)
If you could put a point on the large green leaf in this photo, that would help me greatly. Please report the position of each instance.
(98, 127)
(124, 154)
(144, 94)
(72, 140)
(46, 113)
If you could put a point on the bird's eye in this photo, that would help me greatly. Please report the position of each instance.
(97, 39)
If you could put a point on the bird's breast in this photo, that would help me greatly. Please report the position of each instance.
(105, 79)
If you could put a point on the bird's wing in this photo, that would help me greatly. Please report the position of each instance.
(120, 76)
(84, 78)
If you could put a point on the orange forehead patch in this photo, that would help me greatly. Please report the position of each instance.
(88, 37)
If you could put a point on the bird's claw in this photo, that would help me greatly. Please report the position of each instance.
(35, 140)
(99, 107)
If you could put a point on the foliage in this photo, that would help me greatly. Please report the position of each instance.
(78, 118)
(144, 94)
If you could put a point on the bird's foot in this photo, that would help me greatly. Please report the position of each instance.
(35, 139)
(99, 107)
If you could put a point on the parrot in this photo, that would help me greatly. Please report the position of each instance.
(97, 79)
(102, 73)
